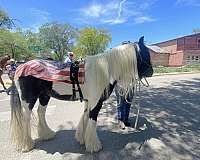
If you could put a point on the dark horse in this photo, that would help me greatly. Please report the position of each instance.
(125, 64)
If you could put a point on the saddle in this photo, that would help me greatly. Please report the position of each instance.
(55, 72)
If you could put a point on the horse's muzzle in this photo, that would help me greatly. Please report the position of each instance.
(148, 72)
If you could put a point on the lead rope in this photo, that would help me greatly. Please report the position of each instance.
(136, 99)
(137, 102)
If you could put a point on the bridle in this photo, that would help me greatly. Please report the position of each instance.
(138, 53)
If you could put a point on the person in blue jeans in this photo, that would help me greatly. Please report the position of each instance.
(11, 73)
(123, 108)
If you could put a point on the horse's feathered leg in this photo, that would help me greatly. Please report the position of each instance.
(27, 143)
(44, 132)
(92, 142)
(80, 131)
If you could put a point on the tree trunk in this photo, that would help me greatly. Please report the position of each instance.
(13, 51)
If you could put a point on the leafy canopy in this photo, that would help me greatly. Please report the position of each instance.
(14, 44)
(92, 41)
(59, 38)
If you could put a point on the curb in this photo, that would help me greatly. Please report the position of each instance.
(173, 73)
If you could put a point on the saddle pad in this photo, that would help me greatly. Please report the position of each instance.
(48, 70)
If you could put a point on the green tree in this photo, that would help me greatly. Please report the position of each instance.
(33, 42)
(59, 38)
(5, 20)
(92, 41)
(13, 43)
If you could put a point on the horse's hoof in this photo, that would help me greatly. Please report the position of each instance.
(94, 147)
(28, 147)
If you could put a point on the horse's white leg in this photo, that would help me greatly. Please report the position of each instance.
(80, 131)
(92, 142)
(27, 143)
(44, 132)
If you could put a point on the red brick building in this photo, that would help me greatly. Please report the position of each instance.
(177, 52)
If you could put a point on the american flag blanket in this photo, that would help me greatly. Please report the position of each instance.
(48, 70)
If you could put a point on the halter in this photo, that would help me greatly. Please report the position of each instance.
(138, 52)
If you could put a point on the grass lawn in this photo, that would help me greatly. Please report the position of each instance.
(187, 68)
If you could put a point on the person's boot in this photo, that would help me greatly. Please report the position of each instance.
(127, 123)
(121, 125)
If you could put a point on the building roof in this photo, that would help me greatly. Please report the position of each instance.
(157, 49)
(195, 34)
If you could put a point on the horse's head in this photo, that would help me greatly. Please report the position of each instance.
(145, 68)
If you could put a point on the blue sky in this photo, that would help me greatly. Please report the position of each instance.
(157, 20)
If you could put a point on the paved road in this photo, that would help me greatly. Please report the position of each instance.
(170, 109)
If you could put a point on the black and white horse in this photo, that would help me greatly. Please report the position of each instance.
(125, 64)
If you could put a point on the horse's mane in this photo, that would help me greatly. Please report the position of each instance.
(118, 64)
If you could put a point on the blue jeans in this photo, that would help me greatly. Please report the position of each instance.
(123, 107)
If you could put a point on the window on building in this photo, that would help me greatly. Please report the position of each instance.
(198, 43)
(180, 44)
(192, 59)
(190, 43)
(188, 58)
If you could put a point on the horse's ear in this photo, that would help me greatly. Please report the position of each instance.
(141, 40)
(143, 48)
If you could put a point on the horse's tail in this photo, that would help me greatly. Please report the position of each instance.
(16, 123)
